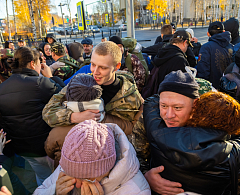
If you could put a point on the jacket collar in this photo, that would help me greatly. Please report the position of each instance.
(127, 164)
(25, 71)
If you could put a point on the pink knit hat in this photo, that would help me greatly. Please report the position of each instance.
(88, 150)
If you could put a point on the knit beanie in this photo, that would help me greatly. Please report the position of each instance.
(83, 87)
(88, 150)
(179, 82)
(116, 40)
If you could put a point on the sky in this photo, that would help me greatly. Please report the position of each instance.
(53, 2)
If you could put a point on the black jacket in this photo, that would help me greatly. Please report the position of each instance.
(214, 57)
(22, 99)
(158, 39)
(170, 58)
(198, 158)
(153, 49)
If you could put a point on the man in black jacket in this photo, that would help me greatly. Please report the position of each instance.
(170, 58)
(193, 156)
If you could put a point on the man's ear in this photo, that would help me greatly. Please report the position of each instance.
(208, 34)
(118, 66)
(194, 102)
(32, 65)
(223, 30)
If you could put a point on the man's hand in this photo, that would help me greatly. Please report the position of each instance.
(46, 71)
(64, 184)
(194, 39)
(91, 188)
(161, 185)
(5, 191)
(78, 117)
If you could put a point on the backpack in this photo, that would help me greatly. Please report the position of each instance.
(131, 44)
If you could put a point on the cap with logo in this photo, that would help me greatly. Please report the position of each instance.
(215, 26)
(87, 41)
(21, 40)
(58, 48)
(184, 35)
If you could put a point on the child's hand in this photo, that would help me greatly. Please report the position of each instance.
(64, 184)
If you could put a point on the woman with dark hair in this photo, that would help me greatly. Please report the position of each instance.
(46, 49)
(22, 99)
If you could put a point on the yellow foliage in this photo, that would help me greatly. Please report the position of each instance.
(23, 16)
(157, 6)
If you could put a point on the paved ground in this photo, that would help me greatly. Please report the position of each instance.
(141, 35)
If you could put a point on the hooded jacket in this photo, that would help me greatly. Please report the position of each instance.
(51, 35)
(49, 59)
(214, 57)
(22, 99)
(196, 157)
(232, 25)
(124, 178)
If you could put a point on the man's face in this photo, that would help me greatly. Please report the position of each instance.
(103, 69)
(50, 40)
(21, 44)
(11, 46)
(87, 48)
(121, 48)
(175, 109)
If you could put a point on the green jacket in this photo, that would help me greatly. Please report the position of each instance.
(125, 104)
(70, 68)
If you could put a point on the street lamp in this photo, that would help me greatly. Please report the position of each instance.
(63, 20)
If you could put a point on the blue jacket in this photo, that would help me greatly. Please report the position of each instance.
(85, 69)
(214, 57)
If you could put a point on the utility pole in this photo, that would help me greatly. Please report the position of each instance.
(112, 14)
(29, 2)
(14, 18)
(130, 19)
(63, 20)
(8, 23)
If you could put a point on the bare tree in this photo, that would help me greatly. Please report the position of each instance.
(29, 2)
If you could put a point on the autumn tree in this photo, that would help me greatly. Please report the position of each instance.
(157, 6)
(40, 8)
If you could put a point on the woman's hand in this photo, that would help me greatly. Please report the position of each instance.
(46, 71)
(3, 141)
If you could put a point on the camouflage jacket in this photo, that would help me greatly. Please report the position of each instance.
(71, 66)
(5, 70)
(125, 104)
(137, 69)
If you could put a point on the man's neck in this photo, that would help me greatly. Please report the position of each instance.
(58, 57)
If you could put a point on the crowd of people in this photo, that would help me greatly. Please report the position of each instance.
(118, 118)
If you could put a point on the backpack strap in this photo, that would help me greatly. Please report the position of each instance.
(128, 63)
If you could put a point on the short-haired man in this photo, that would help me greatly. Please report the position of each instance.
(166, 34)
(87, 46)
(119, 93)
(170, 58)
(159, 38)
(69, 65)
(21, 42)
(103, 39)
(215, 55)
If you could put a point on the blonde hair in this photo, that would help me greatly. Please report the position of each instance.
(108, 47)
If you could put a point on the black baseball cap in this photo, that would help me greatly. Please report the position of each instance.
(215, 26)
(184, 35)
(21, 40)
(87, 41)
(116, 39)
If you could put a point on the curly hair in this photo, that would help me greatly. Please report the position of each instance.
(216, 110)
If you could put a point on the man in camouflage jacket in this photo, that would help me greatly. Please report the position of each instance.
(71, 65)
(126, 105)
